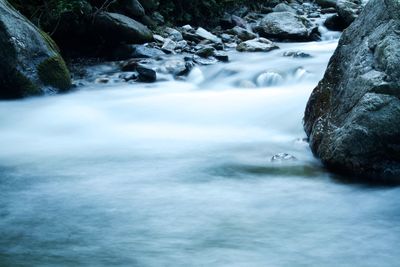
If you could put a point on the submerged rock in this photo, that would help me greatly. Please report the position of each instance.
(282, 157)
(353, 115)
(29, 59)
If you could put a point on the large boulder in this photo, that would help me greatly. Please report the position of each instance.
(30, 63)
(286, 26)
(353, 115)
(117, 28)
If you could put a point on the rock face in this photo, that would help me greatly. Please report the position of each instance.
(29, 60)
(285, 25)
(353, 115)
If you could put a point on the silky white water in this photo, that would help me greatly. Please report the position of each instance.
(179, 173)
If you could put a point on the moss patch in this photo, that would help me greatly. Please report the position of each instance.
(54, 72)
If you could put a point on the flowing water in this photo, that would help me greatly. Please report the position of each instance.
(179, 173)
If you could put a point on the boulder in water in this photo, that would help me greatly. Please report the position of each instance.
(285, 26)
(29, 59)
(353, 115)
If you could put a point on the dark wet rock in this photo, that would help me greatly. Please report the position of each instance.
(30, 63)
(242, 34)
(257, 45)
(221, 56)
(296, 54)
(146, 75)
(326, 3)
(285, 26)
(102, 80)
(218, 46)
(353, 115)
(130, 65)
(206, 51)
(335, 23)
(190, 36)
(348, 10)
(116, 28)
(189, 65)
(283, 157)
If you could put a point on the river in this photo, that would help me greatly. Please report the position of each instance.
(179, 173)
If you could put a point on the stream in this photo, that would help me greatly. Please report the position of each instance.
(179, 173)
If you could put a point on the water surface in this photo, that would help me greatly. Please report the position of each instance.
(179, 174)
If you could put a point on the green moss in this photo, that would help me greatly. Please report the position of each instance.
(54, 72)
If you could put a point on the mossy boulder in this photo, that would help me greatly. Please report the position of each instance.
(29, 60)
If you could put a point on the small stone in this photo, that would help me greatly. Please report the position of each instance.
(296, 54)
(146, 74)
(206, 51)
(102, 80)
(282, 157)
(221, 56)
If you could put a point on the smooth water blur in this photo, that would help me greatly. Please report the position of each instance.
(179, 174)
